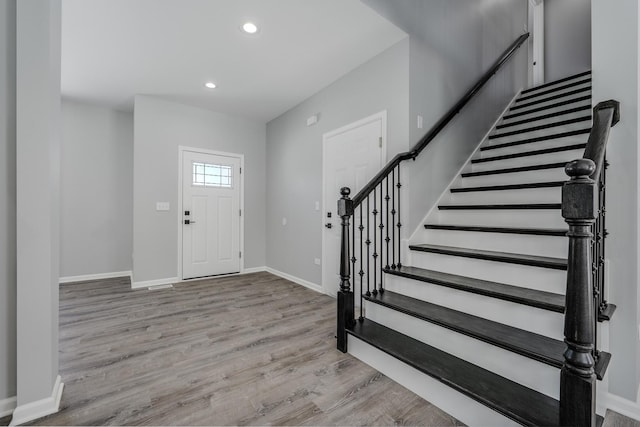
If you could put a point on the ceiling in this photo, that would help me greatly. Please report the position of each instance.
(115, 49)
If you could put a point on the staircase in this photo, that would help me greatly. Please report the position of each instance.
(472, 318)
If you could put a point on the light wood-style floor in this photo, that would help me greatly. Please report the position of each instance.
(251, 349)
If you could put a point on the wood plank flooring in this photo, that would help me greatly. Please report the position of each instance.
(245, 350)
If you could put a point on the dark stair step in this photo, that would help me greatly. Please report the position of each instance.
(517, 206)
(550, 98)
(534, 346)
(511, 258)
(545, 116)
(524, 97)
(547, 107)
(565, 79)
(542, 127)
(521, 404)
(531, 297)
(514, 170)
(537, 139)
(530, 153)
(508, 187)
(556, 232)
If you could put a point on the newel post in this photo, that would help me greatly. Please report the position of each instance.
(345, 294)
(577, 377)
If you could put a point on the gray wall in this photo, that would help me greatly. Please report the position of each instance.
(7, 199)
(159, 128)
(567, 38)
(452, 44)
(294, 154)
(615, 76)
(96, 190)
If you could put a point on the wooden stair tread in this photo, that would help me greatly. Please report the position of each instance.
(577, 132)
(508, 187)
(529, 95)
(515, 170)
(550, 98)
(534, 346)
(521, 259)
(548, 107)
(509, 206)
(531, 297)
(541, 127)
(544, 116)
(507, 397)
(565, 79)
(559, 232)
(530, 153)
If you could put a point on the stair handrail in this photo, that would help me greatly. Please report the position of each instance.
(582, 208)
(441, 124)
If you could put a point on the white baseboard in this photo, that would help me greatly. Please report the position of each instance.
(623, 406)
(7, 406)
(254, 270)
(156, 282)
(299, 281)
(83, 278)
(40, 408)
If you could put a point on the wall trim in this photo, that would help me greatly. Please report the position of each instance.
(156, 282)
(253, 270)
(40, 408)
(622, 406)
(99, 276)
(296, 280)
(7, 406)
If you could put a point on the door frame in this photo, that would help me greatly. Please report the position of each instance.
(535, 25)
(181, 150)
(380, 116)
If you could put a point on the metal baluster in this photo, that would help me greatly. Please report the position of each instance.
(375, 244)
(361, 273)
(381, 226)
(353, 252)
(399, 225)
(368, 242)
(387, 198)
(393, 218)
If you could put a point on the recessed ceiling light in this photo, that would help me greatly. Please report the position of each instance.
(210, 85)
(250, 28)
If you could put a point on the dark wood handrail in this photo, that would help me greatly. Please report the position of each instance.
(605, 115)
(441, 124)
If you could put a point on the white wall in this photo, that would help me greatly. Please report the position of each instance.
(7, 199)
(294, 154)
(616, 72)
(96, 190)
(567, 38)
(159, 128)
(452, 44)
(38, 195)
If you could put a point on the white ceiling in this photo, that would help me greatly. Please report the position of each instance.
(115, 49)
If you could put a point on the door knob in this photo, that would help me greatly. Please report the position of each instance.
(188, 221)
(328, 225)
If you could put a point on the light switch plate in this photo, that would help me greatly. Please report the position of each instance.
(163, 206)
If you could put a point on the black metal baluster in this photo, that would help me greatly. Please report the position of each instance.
(353, 251)
(393, 219)
(375, 245)
(368, 242)
(399, 225)
(361, 273)
(381, 226)
(387, 198)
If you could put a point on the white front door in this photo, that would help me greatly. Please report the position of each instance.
(352, 156)
(210, 214)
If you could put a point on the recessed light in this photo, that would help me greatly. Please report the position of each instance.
(250, 28)
(210, 85)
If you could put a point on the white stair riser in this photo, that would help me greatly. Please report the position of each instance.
(540, 133)
(500, 242)
(523, 195)
(525, 177)
(555, 119)
(530, 373)
(536, 94)
(444, 397)
(520, 316)
(536, 105)
(547, 111)
(539, 159)
(539, 145)
(523, 218)
(543, 279)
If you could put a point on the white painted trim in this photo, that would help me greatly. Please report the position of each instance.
(40, 408)
(181, 150)
(7, 406)
(445, 192)
(99, 276)
(156, 282)
(622, 406)
(382, 117)
(536, 42)
(297, 280)
(253, 270)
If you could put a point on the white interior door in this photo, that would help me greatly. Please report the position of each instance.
(536, 42)
(210, 214)
(352, 156)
